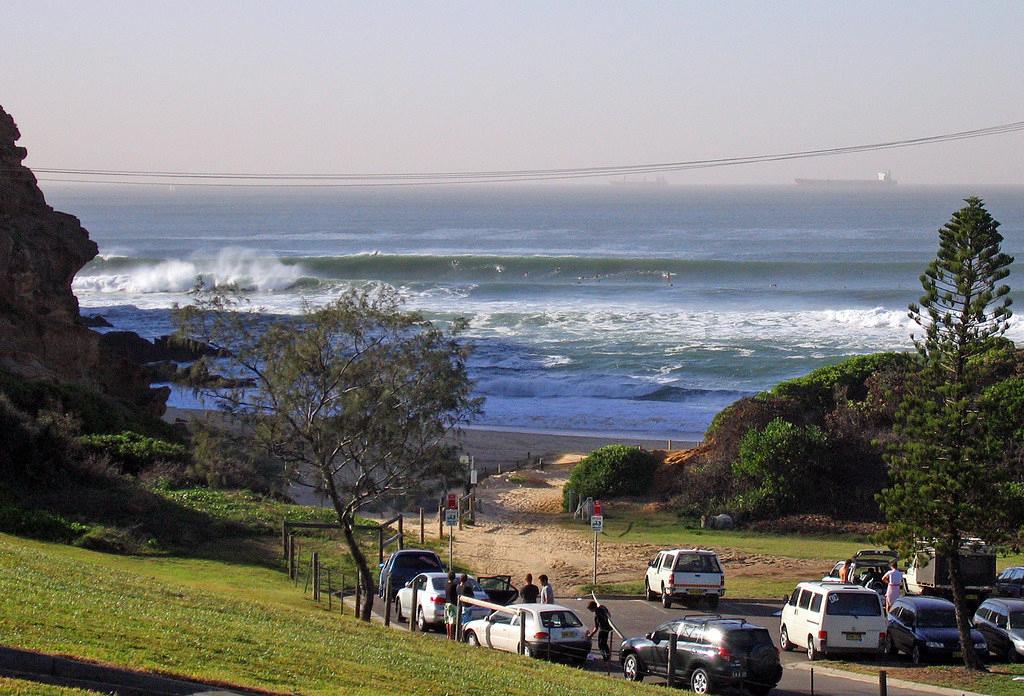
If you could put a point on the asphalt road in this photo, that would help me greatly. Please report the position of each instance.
(635, 617)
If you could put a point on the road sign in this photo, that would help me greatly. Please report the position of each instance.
(451, 517)
(597, 523)
(453, 501)
(597, 508)
(464, 459)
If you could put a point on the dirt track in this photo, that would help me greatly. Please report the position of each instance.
(517, 531)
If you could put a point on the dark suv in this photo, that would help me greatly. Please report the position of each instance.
(1010, 583)
(711, 653)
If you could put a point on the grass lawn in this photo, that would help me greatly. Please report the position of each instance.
(230, 621)
(19, 687)
(997, 682)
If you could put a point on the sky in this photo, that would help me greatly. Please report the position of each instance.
(333, 87)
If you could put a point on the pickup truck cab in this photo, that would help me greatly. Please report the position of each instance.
(684, 576)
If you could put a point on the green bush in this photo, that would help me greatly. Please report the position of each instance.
(818, 387)
(611, 471)
(39, 524)
(133, 452)
(780, 462)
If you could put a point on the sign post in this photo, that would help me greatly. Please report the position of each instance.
(451, 518)
(597, 524)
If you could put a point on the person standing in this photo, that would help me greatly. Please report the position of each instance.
(530, 592)
(894, 585)
(844, 572)
(602, 627)
(547, 592)
(451, 604)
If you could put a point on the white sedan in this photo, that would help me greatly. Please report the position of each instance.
(552, 631)
(430, 598)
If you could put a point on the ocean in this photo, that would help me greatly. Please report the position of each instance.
(594, 309)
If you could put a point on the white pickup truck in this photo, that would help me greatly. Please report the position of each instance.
(685, 575)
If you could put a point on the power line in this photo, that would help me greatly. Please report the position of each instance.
(228, 179)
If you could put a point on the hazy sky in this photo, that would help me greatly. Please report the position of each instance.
(411, 86)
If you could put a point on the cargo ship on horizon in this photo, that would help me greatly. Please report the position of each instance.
(883, 179)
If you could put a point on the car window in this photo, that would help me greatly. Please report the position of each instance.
(500, 617)
(907, 617)
(420, 582)
(805, 599)
(983, 613)
(936, 618)
(438, 583)
(667, 561)
(999, 619)
(793, 597)
(697, 563)
(559, 619)
(654, 562)
(1016, 619)
(692, 633)
(412, 561)
(835, 570)
(816, 603)
(1018, 574)
(746, 639)
(852, 604)
(665, 630)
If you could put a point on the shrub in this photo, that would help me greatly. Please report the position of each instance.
(132, 452)
(39, 524)
(779, 461)
(34, 447)
(611, 471)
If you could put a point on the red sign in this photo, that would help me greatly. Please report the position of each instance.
(453, 501)
(597, 507)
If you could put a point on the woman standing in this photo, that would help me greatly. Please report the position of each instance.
(894, 585)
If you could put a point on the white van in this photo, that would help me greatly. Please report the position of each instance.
(826, 618)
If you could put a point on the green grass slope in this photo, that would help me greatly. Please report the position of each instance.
(233, 622)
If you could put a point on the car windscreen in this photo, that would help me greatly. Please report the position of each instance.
(1017, 619)
(747, 639)
(936, 618)
(853, 604)
(559, 619)
(697, 563)
(417, 561)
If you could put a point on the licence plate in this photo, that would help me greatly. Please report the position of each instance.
(568, 633)
(695, 591)
(854, 636)
(739, 674)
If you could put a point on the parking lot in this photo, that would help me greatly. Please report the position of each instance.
(636, 617)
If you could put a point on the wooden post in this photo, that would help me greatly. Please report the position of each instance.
(330, 590)
(309, 576)
(387, 601)
(458, 620)
(401, 531)
(414, 608)
(673, 641)
(522, 632)
(459, 510)
(423, 534)
(284, 537)
(883, 686)
(472, 510)
(440, 522)
(812, 681)
(293, 569)
(314, 565)
(380, 544)
(595, 561)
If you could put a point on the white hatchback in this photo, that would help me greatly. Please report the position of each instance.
(552, 631)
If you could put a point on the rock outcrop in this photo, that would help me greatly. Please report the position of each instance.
(41, 250)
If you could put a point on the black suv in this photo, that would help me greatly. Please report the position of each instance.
(711, 653)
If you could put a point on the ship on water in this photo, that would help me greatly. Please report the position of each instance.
(882, 180)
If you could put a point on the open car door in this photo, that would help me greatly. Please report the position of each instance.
(499, 588)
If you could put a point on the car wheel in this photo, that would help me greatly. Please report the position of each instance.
(527, 651)
(398, 611)
(784, 642)
(812, 652)
(915, 654)
(889, 648)
(421, 621)
(712, 602)
(472, 639)
(700, 681)
(647, 591)
(1011, 653)
(631, 669)
(666, 598)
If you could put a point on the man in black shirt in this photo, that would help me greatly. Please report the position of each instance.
(451, 603)
(602, 627)
(530, 592)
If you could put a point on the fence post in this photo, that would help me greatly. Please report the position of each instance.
(812, 681)
(330, 591)
(440, 522)
(387, 601)
(459, 509)
(458, 620)
(293, 570)
(414, 608)
(883, 686)
(522, 632)
(380, 545)
(472, 508)
(314, 563)
(673, 641)
(401, 531)
(284, 537)
(422, 530)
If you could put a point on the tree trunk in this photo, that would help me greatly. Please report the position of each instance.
(365, 579)
(963, 620)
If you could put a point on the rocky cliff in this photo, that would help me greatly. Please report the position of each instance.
(41, 250)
